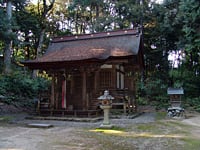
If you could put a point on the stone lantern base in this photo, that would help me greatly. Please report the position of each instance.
(106, 126)
(106, 121)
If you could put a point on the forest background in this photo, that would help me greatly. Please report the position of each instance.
(171, 36)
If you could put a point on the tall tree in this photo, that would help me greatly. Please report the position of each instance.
(7, 33)
(8, 42)
(189, 16)
(28, 32)
(44, 8)
(43, 11)
(85, 14)
(189, 41)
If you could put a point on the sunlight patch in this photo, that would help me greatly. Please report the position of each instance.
(108, 131)
(133, 134)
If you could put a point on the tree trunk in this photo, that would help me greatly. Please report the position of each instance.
(41, 40)
(7, 57)
(46, 9)
(39, 49)
(8, 43)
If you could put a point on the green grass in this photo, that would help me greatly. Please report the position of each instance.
(5, 119)
(151, 127)
(161, 115)
(169, 132)
(191, 143)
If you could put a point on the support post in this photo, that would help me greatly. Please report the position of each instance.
(52, 91)
(64, 82)
(84, 90)
(96, 81)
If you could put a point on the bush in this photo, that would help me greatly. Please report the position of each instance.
(142, 101)
(18, 87)
(193, 103)
(153, 92)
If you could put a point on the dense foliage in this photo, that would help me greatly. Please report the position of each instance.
(18, 88)
(174, 29)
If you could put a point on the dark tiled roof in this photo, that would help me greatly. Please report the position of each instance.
(91, 46)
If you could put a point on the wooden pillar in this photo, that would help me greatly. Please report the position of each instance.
(84, 90)
(64, 91)
(57, 91)
(52, 91)
(114, 78)
(72, 84)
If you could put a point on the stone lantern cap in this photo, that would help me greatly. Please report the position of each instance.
(106, 99)
(106, 96)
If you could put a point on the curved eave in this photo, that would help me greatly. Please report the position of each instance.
(132, 60)
(59, 64)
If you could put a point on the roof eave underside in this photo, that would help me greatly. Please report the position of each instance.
(131, 60)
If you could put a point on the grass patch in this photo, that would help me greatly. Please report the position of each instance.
(5, 119)
(173, 127)
(147, 127)
(191, 143)
(143, 136)
(107, 139)
(176, 125)
(164, 134)
(156, 128)
(161, 115)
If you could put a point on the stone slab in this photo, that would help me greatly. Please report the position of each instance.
(39, 125)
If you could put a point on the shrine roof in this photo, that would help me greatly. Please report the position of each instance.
(98, 46)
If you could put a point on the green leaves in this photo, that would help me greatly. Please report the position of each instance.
(18, 86)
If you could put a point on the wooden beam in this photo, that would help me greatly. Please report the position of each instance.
(117, 61)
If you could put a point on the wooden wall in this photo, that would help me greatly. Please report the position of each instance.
(80, 93)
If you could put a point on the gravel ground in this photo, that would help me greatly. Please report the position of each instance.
(123, 121)
(65, 135)
(140, 133)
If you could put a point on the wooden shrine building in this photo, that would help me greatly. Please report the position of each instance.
(83, 66)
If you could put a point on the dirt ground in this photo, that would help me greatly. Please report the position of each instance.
(69, 135)
(193, 121)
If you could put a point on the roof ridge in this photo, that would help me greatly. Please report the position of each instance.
(96, 35)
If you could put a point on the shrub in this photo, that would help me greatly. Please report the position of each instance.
(153, 91)
(193, 103)
(18, 87)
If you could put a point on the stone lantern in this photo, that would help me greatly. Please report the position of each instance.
(175, 110)
(106, 104)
